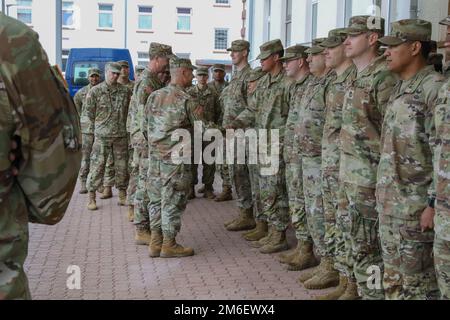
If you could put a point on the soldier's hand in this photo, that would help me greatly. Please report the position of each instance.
(427, 219)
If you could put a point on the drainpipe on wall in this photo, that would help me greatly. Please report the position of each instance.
(58, 35)
(126, 24)
(251, 15)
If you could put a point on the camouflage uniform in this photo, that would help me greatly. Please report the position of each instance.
(107, 110)
(211, 112)
(166, 111)
(36, 109)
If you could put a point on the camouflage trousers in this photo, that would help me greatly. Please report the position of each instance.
(103, 148)
(241, 182)
(208, 172)
(330, 194)
(141, 200)
(86, 150)
(224, 171)
(294, 184)
(13, 245)
(133, 167)
(167, 185)
(442, 263)
(110, 173)
(274, 199)
(253, 173)
(362, 221)
(408, 260)
(312, 190)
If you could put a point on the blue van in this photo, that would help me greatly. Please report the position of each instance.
(82, 59)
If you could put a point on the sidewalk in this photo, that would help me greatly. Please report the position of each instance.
(101, 243)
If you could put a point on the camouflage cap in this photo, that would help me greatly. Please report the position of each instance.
(113, 67)
(159, 49)
(123, 63)
(239, 45)
(315, 50)
(445, 22)
(408, 30)
(269, 48)
(219, 66)
(176, 63)
(256, 74)
(318, 41)
(94, 71)
(139, 68)
(362, 24)
(295, 52)
(202, 71)
(336, 37)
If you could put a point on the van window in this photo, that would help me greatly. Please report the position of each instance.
(80, 72)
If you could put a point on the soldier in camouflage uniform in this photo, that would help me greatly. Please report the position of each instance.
(39, 170)
(446, 67)
(297, 67)
(107, 110)
(335, 236)
(405, 188)
(233, 101)
(166, 111)
(138, 70)
(218, 85)
(442, 180)
(87, 133)
(362, 117)
(159, 59)
(207, 98)
(309, 131)
(270, 112)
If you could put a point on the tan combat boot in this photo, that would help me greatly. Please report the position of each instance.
(201, 190)
(258, 233)
(246, 221)
(263, 241)
(209, 193)
(226, 195)
(83, 189)
(107, 193)
(142, 236)
(92, 205)
(171, 249)
(305, 259)
(100, 189)
(286, 258)
(156, 241)
(277, 243)
(131, 213)
(351, 292)
(122, 198)
(327, 277)
(336, 294)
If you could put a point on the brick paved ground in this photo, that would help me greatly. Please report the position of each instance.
(112, 267)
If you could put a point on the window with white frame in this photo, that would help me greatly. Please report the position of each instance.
(105, 15)
(184, 19)
(65, 56)
(143, 58)
(348, 11)
(314, 15)
(288, 22)
(67, 14)
(220, 39)
(145, 20)
(24, 12)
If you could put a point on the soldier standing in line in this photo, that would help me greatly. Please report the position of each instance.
(138, 70)
(107, 110)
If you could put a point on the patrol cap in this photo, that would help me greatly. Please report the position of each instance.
(161, 50)
(294, 52)
(94, 71)
(408, 30)
(239, 45)
(219, 66)
(336, 37)
(176, 63)
(269, 48)
(113, 67)
(139, 68)
(123, 63)
(318, 41)
(256, 74)
(315, 50)
(362, 24)
(445, 22)
(202, 71)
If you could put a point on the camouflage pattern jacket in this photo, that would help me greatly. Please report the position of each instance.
(311, 116)
(362, 118)
(291, 146)
(405, 172)
(130, 85)
(333, 120)
(166, 111)
(209, 100)
(218, 88)
(107, 110)
(80, 103)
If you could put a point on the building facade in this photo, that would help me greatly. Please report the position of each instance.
(299, 21)
(201, 30)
